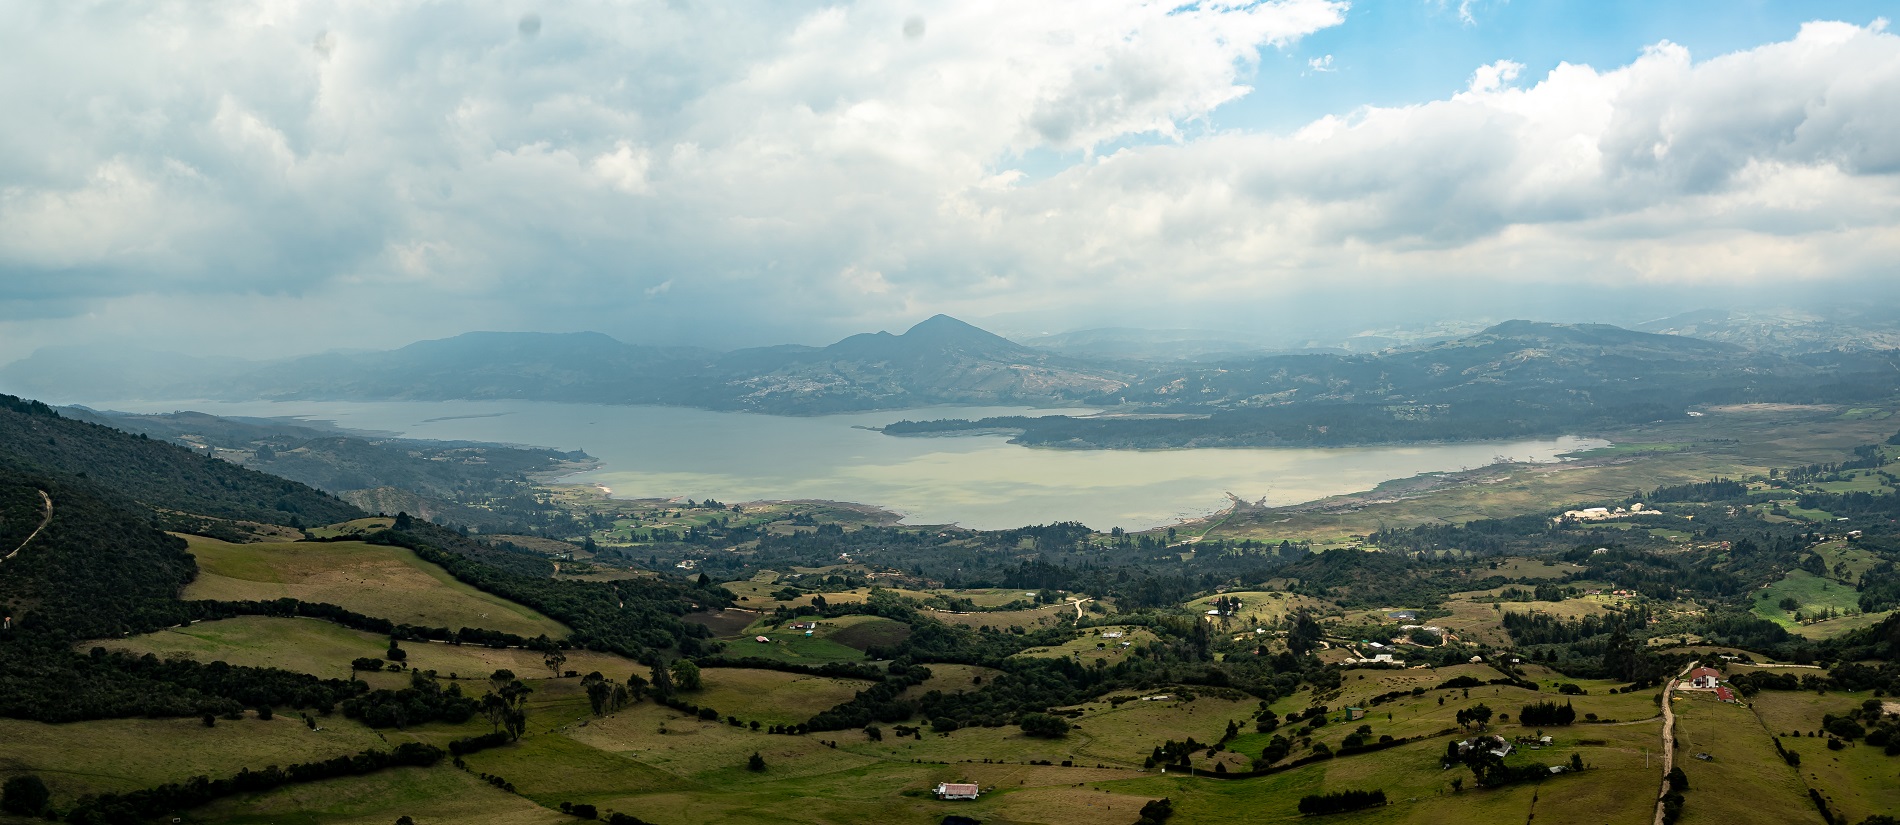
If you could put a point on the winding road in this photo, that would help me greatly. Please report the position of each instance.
(44, 520)
(1669, 739)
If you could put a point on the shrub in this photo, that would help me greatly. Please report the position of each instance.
(1044, 725)
(24, 795)
(1340, 802)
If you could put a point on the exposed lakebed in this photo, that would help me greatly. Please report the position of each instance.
(976, 480)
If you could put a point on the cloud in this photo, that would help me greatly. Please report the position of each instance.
(786, 172)
(1495, 76)
(1321, 64)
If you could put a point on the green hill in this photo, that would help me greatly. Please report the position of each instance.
(161, 476)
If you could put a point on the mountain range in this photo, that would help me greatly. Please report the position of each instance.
(939, 361)
(1517, 377)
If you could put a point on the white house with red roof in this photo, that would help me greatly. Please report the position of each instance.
(1705, 677)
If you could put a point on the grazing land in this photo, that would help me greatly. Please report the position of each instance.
(390, 582)
(324, 649)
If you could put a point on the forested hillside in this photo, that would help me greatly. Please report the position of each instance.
(159, 475)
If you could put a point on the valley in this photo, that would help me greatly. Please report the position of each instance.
(1488, 642)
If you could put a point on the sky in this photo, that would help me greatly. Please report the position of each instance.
(273, 178)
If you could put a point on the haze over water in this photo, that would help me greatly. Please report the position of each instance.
(978, 481)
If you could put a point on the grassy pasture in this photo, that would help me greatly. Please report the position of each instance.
(1850, 558)
(770, 696)
(353, 527)
(1830, 628)
(1419, 792)
(861, 632)
(430, 795)
(1518, 568)
(1473, 619)
(952, 679)
(1746, 781)
(795, 647)
(1046, 616)
(324, 649)
(1859, 781)
(118, 755)
(986, 598)
(1089, 644)
(1812, 592)
(389, 582)
(1261, 607)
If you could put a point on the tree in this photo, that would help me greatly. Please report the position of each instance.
(1457, 784)
(636, 688)
(685, 674)
(24, 795)
(1156, 812)
(662, 685)
(755, 764)
(599, 694)
(495, 708)
(1678, 780)
(365, 664)
(1479, 714)
(1044, 725)
(554, 657)
(1304, 635)
(396, 654)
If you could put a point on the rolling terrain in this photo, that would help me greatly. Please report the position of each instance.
(682, 662)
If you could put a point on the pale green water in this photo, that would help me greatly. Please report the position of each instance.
(977, 481)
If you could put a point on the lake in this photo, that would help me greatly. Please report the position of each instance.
(978, 481)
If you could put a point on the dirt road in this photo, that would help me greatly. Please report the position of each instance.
(44, 520)
(1669, 739)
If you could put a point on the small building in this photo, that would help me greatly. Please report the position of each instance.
(760, 639)
(1497, 745)
(1724, 694)
(957, 790)
(1355, 714)
(1403, 615)
(1705, 677)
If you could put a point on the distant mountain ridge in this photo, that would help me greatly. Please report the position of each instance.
(940, 360)
(1541, 369)
(1514, 379)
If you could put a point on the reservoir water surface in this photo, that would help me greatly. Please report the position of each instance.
(978, 481)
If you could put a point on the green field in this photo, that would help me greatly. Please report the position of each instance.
(770, 696)
(1812, 592)
(431, 795)
(1090, 645)
(1259, 608)
(318, 647)
(1858, 781)
(118, 755)
(386, 582)
(1744, 780)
